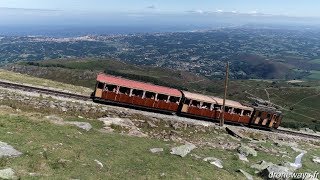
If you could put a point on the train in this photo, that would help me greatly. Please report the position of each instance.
(136, 94)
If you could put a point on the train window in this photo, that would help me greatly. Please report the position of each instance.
(112, 88)
(228, 109)
(150, 95)
(187, 101)
(174, 99)
(100, 85)
(138, 93)
(195, 103)
(237, 111)
(124, 90)
(217, 107)
(206, 105)
(246, 113)
(162, 97)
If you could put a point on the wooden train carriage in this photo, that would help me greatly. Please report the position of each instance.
(266, 117)
(235, 111)
(209, 107)
(120, 90)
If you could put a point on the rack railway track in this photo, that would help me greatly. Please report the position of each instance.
(43, 91)
(87, 98)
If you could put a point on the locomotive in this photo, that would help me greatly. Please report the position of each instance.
(121, 91)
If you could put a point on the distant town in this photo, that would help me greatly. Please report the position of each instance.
(253, 53)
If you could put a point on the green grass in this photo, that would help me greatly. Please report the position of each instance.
(317, 61)
(26, 79)
(62, 152)
(45, 144)
(314, 75)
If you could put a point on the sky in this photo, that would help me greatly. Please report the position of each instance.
(296, 8)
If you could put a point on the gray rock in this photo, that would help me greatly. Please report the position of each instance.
(214, 161)
(83, 125)
(7, 174)
(156, 150)
(243, 157)
(99, 163)
(247, 175)
(183, 150)
(246, 150)
(298, 150)
(261, 165)
(124, 122)
(8, 151)
(297, 163)
(316, 159)
(273, 171)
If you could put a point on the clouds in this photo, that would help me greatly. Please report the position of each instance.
(151, 7)
(27, 9)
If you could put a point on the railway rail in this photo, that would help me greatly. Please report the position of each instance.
(295, 133)
(86, 98)
(44, 91)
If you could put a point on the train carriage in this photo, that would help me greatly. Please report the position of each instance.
(122, 91)
(266, 117)
(209, 107)
(134, 93)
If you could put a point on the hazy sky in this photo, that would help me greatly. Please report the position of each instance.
(277, 7)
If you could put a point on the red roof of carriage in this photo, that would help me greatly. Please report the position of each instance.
(138, 85)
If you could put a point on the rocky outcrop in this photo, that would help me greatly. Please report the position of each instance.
(58, 120)
(272, 171)
(214, 161)
(8, 151)
(316, 159)
(243, 157)
(7, 174)
(183, 150)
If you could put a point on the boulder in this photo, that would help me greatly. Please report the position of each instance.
(247, 175)
(99, 163)
(246, 150)
(275, 171)
(7, 174)
(243, 157)
(183, 150)
(8, 151)
(316, 159)
(156, 150)
(297, 163)
(214, 161)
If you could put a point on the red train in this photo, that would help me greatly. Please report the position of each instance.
(144, 95)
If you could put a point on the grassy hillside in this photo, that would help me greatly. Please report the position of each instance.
(299, 101)
(52, 151)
